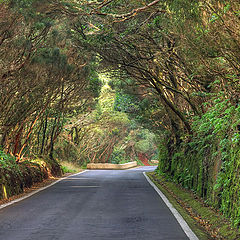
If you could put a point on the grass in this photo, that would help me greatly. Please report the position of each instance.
(68, 167)
(206, 222)
(123, 161)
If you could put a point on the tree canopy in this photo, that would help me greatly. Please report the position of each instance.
(173, 68)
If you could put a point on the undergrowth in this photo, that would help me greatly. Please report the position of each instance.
(209, 164)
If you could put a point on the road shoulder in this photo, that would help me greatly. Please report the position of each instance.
(206, 222)
(191, 235)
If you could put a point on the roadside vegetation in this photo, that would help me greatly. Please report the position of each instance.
(16, 177)
(205, 221)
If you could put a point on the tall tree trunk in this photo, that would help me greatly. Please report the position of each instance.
(52, 140)
(19, 154)
(44, 133)
(17, 140)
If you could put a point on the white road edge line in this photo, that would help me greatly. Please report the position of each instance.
(191, 235)
(39, 190)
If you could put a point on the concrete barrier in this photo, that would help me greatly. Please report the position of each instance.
(111, 166)
(154, 161)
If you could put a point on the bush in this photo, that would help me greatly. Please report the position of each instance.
(14, 177)
(117, 156)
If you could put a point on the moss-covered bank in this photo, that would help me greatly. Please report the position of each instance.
(14, 177)
(208, 162)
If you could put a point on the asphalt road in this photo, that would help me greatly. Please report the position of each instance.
(95, 205)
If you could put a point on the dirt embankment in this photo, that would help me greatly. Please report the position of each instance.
(15, 178)
(143, 158)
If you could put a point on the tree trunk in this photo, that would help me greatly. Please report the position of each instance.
(44, 133)
(51, 140)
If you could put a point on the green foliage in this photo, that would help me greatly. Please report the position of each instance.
(67, 151)
(7, 161)
(118, 155)
(209, 163)
(126, 103)
(14, 177)
(52, 57)
(66, 169)
(10, 175)
(95, 83)
(139, 110)
(143, 146)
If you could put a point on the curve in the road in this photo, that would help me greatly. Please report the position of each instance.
(94, 205)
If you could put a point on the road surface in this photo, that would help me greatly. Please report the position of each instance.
(94, 205)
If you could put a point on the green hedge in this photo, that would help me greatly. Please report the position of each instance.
(209, 164)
